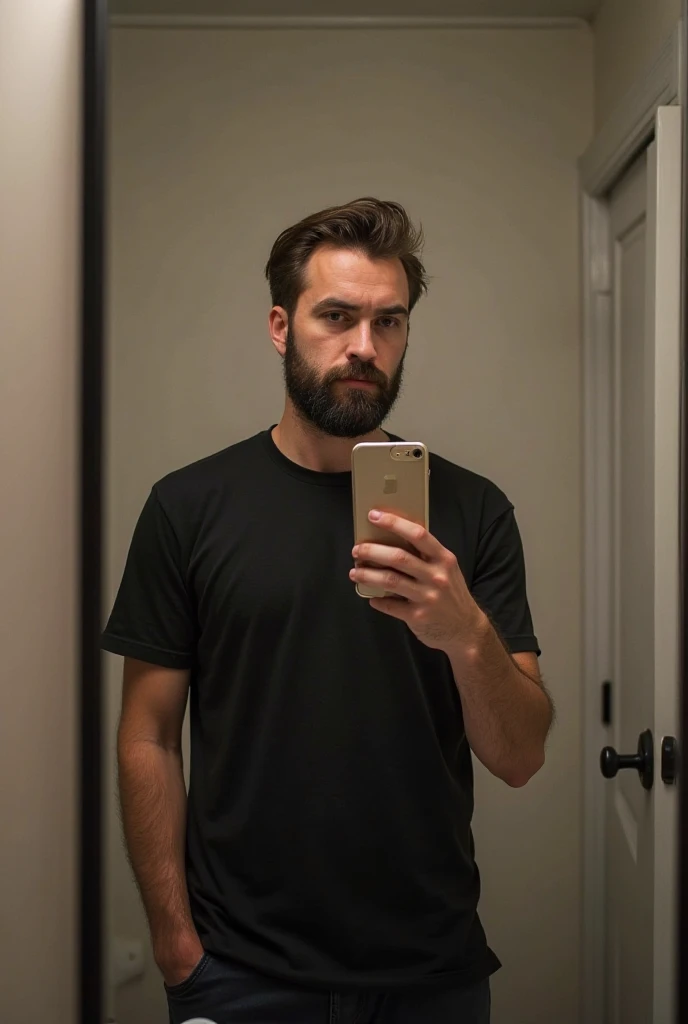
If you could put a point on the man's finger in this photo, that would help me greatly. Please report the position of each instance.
(415, 534)
(395, 558)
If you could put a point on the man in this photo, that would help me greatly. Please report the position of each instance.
(323, 866)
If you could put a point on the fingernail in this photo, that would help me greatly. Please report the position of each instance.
(375, 514)
(355, 551)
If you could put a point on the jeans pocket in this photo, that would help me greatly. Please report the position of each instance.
(184, 986)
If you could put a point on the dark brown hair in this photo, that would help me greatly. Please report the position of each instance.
(382, 230)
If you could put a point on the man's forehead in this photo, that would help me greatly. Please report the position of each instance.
(356, 276)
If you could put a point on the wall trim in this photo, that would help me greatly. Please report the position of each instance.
(237, 21)
(631, 125)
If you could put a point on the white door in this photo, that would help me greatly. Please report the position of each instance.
(641, 820)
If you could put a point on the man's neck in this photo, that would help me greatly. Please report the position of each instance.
(308, 447)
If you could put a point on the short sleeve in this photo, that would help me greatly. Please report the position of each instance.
(153, 618)
(499, 583)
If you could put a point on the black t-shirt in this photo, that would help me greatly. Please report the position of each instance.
(329, 833)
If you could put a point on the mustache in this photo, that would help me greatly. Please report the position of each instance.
(363, 373)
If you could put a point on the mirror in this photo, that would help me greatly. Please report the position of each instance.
(436, 227)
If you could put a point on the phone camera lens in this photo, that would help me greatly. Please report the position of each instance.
(418, 454)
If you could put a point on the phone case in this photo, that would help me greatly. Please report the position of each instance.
(387, 475)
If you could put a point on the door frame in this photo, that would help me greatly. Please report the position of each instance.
(622, 137)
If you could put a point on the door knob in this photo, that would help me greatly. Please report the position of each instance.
(643, 761)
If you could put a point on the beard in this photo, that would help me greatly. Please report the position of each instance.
(346, 412)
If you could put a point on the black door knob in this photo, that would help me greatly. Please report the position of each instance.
(643, 761)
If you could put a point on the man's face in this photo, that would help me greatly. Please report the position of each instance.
(346, 342)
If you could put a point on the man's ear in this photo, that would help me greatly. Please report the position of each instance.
(278, 325)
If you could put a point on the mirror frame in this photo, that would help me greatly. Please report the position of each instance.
(91, 940)
(90, 762)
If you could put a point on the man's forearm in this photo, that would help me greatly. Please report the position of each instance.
(507, 715)
(153, 801)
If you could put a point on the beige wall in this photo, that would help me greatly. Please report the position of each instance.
(628, 36)
(39, 216)
(218, 140)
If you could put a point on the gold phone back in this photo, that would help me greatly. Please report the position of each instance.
(385, 477)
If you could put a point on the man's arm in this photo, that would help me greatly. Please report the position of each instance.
(153, 805)
(507, 711)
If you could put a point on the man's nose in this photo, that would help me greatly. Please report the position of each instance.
(361, 343)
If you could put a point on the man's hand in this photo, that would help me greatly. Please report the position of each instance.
(431, 595)
(506, 714)
(178, 957)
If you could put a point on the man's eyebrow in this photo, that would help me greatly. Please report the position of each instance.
(332, 302)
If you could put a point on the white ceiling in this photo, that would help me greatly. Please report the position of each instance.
(358, 8)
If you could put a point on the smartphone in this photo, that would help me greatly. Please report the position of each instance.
(391, 476)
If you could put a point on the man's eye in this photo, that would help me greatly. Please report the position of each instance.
(333, 317)
(388, 321)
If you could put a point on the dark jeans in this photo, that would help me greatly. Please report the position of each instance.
(221, 991)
